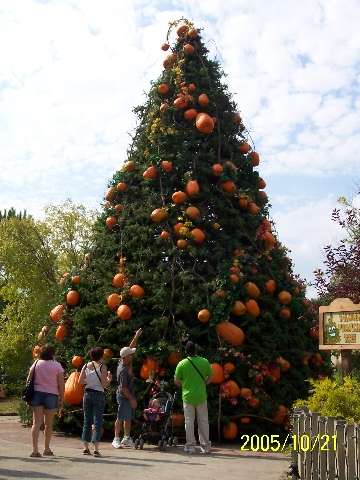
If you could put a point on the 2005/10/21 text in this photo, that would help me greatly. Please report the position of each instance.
(302, 443)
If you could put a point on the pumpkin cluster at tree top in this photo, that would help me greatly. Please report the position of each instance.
(184, 249)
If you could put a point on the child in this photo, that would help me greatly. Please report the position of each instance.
(152, 413)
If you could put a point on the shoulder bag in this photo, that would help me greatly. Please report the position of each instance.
(28, 392)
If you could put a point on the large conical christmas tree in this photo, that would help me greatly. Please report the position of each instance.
(184, 249)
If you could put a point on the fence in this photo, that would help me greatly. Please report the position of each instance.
(324, 448)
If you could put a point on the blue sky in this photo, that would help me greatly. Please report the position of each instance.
(72, 70)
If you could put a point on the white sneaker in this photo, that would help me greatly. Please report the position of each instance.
(127, 442)
(205, 449)
(189, 449)
(116, 443)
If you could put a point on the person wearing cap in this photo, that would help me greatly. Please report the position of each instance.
(193, 374)
(125, 394)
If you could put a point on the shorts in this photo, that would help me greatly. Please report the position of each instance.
(125, 412)
(50, 401)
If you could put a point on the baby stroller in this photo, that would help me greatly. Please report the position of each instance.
(159, 425)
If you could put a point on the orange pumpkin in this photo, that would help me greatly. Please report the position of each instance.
(217, 169)
(230, 389)
(178, 227)
(285, 365)
(269, 239)
(190, 114)
(158, 215)
(150, 173)
(229, 368)
(182, 244)
(75, 280)
(253, 208)
(189, 49)
(124, 312)
(179, 197)
(114, 300)
(121, 186)
(243, 202)
(204, 123)
(252, 290)
(285, 297)
(36, 351)
(192, 33)
(198, 235)
(118, 280)
(129, 166)
(144, 372)
(244, 148)
(72, 298)
(238, 308)
(77, 361)
(280, 415)
(217, 375)
(261, 183)
(166, 166)
(285, 313)
(252, 308)
(118, 208)
(204, 315)
(174, 358)
(220, 293)
(246, 393)
(111, 222)
(177, 419)
(61, 333)
(108, 353)
(136, 291)
(191, 87)
(263, 196)
(228, 186)
(270, 286)
(230, 333)
(255, 159)
(203, 100)
(57, 312)
(182, 30)
(192, 188)
(181, 102)
(230, 431)
(253, 402)
(193, 213)
(170, 60)
(74, 391)
(234, 278)
(110, 194)
(165, 235)
(245, 420)
(165, 46)
(163, 89)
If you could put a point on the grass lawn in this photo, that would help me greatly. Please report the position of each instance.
(9, 406)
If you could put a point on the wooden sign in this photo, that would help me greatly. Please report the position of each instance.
(339, 325)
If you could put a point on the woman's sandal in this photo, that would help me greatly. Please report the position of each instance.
(97, 453)
(86, 451)
(48, 453)
(35, 455)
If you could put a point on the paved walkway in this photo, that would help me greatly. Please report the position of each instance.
(148, 464)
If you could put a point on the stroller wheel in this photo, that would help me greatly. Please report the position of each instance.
(161, 445)
(137, 443)
(174, 441)
(170, 441)
(141, 443)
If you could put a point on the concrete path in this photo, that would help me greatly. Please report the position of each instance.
(128, 464)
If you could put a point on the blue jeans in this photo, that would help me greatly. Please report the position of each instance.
(49, 401)
(94, 406)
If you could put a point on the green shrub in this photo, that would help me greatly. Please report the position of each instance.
(331, 398)
(25, 414)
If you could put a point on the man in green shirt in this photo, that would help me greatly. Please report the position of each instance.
(192, 374)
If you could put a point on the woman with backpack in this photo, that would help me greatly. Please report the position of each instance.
(95, 376)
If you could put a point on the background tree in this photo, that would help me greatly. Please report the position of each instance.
(31, 254)
(341, 277)
(184, 249)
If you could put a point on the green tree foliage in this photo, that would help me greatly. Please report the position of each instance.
(32, 257)
(182, 274)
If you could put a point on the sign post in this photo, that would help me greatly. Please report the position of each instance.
(339, 329)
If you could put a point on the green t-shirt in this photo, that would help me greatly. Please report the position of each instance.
(193, 386)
